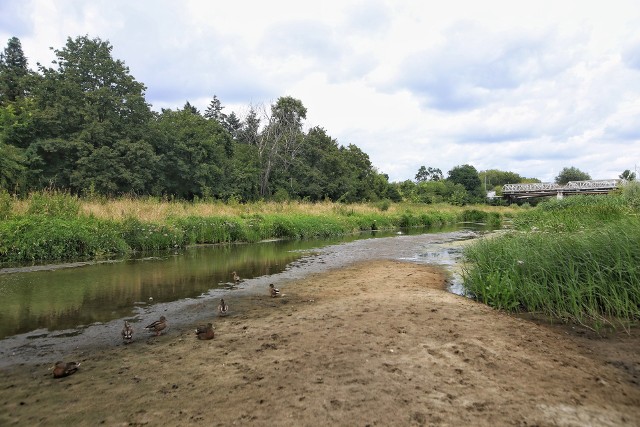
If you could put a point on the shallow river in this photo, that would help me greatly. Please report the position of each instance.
(53, 309)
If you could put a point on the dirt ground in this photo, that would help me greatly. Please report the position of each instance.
(376, 343)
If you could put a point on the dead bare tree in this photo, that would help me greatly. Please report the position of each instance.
(280, 140)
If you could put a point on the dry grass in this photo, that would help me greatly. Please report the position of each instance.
(157, 211)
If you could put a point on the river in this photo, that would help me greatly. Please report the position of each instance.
(52, 309)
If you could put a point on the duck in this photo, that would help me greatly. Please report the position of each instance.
(223, 307)
(127, 332)
(64, 369)
(273, 291)
(205, 332)
(158, 326)
(236, 278)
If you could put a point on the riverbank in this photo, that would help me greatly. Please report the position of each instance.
(60, 227)
(371, 343)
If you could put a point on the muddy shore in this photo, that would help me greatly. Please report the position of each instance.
(364, 343)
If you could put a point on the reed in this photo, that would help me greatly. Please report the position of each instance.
(591, 276)
(574, 213)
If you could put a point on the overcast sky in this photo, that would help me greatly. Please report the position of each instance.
(522, 86)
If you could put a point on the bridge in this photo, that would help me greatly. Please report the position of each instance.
(541, 189)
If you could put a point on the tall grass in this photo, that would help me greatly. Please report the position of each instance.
(581, 262)
(574, 213)
(56, 225)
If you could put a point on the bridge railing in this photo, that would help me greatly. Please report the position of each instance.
(536, 186)
(542, 188)
(595, 183)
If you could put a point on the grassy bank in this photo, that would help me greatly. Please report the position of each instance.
(57, 226)
(576, 259)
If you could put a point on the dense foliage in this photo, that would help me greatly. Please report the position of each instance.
(83, 125)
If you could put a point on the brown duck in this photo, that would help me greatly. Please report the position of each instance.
(236, 278)
(205, 332)
(273, 291)
(64, 369)
(158, 326)
(223, 308)
(127, 333)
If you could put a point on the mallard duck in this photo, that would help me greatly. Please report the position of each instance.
(158, 326)
(273, 291)
(205, 332)
(127, 332)
(64, 369)
(223, 308)
(236, 278)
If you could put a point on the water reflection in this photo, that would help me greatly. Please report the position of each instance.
(67, 298)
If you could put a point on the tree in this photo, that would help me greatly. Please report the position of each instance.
(467, 176)
(214, 110)
(280, 140)
(13, 72)
(428, 174)
(627, 175)
(91, 117)
(192, 154)
(360, 175)
(190, 108)
(250, 128)
(11, 167)
(571, 174)
(233, 125)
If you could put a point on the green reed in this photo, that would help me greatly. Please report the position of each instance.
(587, 276)
(574, 213)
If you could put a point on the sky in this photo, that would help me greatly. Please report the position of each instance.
(529, 87)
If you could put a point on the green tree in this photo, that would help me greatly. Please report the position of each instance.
(13, 72)
(360, 175)
(467, 176)
(214, 110)
(627, 175)
(190, 108)
(91, 118)
(250, 128)
(233, 125)
(571, 174)
(11, 167)
(428, 174)
(193, 162)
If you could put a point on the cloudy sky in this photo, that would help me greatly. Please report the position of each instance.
(522, 86)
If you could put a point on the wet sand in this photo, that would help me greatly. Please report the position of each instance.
(364, 343)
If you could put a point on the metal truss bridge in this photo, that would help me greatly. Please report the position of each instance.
(526, 191)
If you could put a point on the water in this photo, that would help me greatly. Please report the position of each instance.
(63, 300)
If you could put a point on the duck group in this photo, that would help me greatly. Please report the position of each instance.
(203, 332)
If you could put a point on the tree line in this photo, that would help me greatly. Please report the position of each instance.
(83, 125)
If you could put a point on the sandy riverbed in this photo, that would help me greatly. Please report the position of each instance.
(372, 343)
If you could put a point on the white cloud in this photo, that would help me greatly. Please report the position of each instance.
(529, 88)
